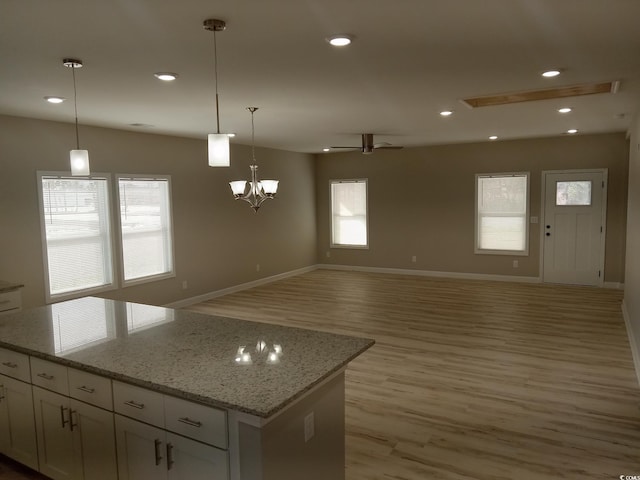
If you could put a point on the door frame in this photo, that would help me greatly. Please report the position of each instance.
(543, 194)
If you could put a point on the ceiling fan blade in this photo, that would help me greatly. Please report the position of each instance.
(344, 147)
(389, 147)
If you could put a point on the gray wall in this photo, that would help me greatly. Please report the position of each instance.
(218, 241)
(632, 275)
(421, 201)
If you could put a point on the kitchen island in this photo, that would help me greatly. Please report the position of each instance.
(199, 396)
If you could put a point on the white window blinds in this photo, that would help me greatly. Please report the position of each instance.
(145, 226)
(502, 206)
(75, 221)
(349, 213)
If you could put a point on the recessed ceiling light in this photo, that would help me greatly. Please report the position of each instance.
(326, 149)
(340, 40)
(166, 76)
(571, 131)
(551, 73)
(493, 137)
(564, 110)
(446, 113)
(231, 135)
(55, 99)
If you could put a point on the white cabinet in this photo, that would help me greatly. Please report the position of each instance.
(55, 438)
(94, 442)
(75, 440)
(151, 453)
(17, 427)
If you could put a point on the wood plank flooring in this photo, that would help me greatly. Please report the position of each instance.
(470, 379)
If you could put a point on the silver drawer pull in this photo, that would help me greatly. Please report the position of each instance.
(87, 389)
(133, 404)
(10, 364)
(45, 376)
(188, 421)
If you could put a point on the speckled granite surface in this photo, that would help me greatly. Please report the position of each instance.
(9, 286)
(186, 354)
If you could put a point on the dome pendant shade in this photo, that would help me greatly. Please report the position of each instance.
(219, 150)
(79, 160)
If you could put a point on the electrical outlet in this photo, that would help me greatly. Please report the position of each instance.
(309, 427)
(414, 259)
(516, 264)
(257, 267)
(184, 284)
(328, 253)
(534, 220)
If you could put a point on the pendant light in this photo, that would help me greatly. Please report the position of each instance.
(218, 143)
(259, 190)
(79, 159)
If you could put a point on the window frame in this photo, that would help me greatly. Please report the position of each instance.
(486, 251)
(109, 262)
(171, 254)
(331, 215)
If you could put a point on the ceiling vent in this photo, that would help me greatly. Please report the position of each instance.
(548, 94)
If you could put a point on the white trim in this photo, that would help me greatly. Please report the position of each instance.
(238, 288)
(543, 196)
(613, 285)
(429, 273)
(635, 347)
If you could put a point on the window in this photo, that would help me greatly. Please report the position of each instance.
(79, 252)
(502, 209)
(573, 193)
(145, 228)
(349, 213)
(76, 229)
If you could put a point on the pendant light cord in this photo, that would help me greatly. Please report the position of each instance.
(75, 106)
(215, 73)
(253, 136)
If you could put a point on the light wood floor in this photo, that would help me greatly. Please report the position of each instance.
(470, 379)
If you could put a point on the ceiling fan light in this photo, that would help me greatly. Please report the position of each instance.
(79, 160)
(218, 150)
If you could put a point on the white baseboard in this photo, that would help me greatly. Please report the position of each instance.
(429, 273)
(635, 347)
(237, 288)
(614, 285)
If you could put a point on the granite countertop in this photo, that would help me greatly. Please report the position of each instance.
(239, 365)
(9, 286)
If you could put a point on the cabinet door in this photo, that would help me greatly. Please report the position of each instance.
(194, 460)
(17, 424)
(94, 442)
(55, 438)
(141, 450)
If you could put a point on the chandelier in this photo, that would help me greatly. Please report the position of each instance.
(259, 190)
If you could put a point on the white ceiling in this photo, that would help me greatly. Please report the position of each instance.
(410, 60)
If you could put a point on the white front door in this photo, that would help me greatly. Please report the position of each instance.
(573, 227)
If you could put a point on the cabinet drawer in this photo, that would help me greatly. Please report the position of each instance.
(49, 375)
(139, 403)
(14, 364)
(202, 423)
(90, 388)
(10, 301)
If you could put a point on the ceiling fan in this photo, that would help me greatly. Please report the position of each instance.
(368, 146)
